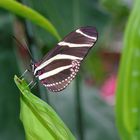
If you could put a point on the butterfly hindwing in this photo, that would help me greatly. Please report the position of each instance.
(60, 66)
(62, 79)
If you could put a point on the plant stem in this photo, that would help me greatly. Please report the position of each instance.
(32, 44)
(76, 19)
(43, 92)
(79, 109)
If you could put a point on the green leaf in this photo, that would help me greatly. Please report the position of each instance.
(128, 89)
(28, 13)
(40, 121)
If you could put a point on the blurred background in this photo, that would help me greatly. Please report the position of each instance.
(87, 105)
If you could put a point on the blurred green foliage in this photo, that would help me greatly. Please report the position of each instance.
(128, 90)
(98, 118)
(28, 13)
(10, 127)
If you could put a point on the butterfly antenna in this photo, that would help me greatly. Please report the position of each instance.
(21, 45)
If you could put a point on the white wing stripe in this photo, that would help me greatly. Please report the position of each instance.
(57, 57)
(63, 43)
(53, 72)
(80, 32)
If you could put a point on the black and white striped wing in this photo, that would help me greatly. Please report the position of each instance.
(60, 66)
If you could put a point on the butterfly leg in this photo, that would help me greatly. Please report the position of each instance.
(24, 73)
(30, 83)
(33, 85)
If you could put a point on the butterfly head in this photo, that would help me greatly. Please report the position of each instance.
(33, 66)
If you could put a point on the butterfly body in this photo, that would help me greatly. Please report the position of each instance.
(60, 66)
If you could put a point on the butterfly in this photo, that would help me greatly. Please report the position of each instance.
(59, 67)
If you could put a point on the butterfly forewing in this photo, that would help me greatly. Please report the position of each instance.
(60, 66)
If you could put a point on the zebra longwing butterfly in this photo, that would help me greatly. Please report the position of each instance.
(59, 67)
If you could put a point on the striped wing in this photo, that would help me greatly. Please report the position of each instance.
(60, 66)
